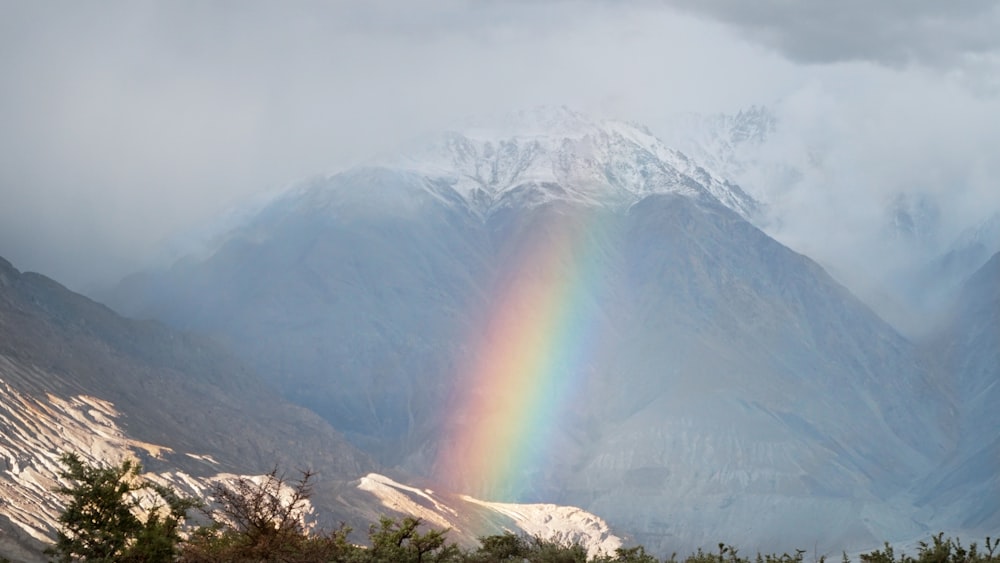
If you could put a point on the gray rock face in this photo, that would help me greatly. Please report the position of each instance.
(693, 380)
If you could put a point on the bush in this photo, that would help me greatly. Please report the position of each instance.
(402, 542)
(103, 520)
(264, 520)
(939, 550)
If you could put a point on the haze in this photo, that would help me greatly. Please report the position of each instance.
(126, 123)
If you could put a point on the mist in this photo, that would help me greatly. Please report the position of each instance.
(887, 179)
(129, 124)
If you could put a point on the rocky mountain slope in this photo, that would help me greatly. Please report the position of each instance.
(562, 310)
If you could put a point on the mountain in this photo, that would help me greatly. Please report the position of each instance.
(561, 310)
(383, 270)
(747, 386)
(967, 349)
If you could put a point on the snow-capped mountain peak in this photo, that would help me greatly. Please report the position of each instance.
(539, 155)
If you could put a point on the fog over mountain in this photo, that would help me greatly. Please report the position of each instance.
(904, 245)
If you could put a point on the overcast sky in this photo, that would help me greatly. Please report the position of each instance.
(124, 122)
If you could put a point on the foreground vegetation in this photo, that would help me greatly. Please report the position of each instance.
(113, 514)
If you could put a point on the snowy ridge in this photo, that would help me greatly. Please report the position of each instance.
(408, 500)
(565, 524)
(548, 154)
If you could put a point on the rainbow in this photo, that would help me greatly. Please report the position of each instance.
(528, 360)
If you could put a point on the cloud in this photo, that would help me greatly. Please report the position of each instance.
(890, 170)
(127, 123)
(894, 32)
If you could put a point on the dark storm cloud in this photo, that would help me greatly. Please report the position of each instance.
(892, 32)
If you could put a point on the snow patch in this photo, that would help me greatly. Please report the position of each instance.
(393, 495)
(35, 431)
(565, 524)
